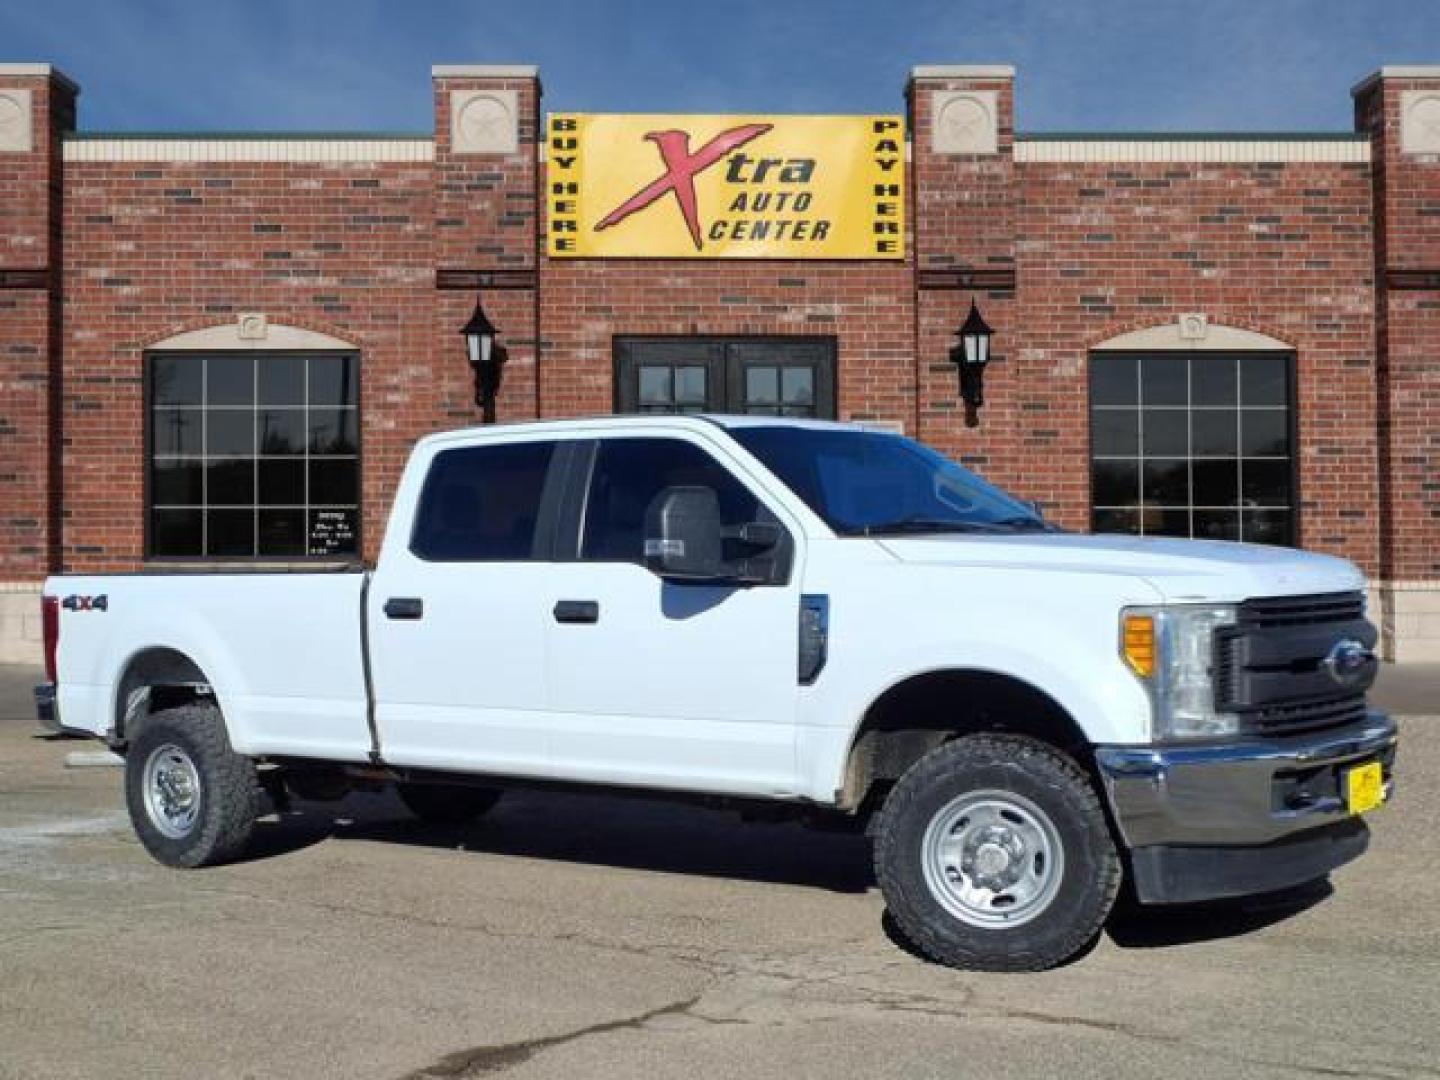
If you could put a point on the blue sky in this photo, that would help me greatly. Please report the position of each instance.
(364, 64)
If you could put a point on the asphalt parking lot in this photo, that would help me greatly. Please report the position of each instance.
(599, 937)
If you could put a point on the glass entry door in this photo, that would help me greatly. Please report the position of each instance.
(756, 376)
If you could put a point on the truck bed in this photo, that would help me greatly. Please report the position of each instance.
(283, 650)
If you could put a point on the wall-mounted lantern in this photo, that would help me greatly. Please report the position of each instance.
(971, 355)
(487, 360)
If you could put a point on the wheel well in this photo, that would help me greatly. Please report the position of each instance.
(917, 715)
(156, 679)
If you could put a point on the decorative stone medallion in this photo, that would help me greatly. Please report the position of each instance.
(484, 122)
(965, 122)
(16, 135)
(252, 326)
(1194, 326)
(1420, 121)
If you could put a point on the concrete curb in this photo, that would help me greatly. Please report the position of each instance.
(93, 759)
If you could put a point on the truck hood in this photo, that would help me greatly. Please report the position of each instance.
(1180, 570)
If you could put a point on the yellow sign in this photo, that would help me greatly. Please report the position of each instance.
(727, 187)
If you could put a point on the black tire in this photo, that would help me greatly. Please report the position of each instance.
(226, 800)
(446, 804)
(1080, 893)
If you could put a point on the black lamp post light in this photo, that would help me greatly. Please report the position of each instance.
(970, 356)
(487, 359)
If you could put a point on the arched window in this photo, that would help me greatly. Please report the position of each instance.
(1193, 441)
(252, 453)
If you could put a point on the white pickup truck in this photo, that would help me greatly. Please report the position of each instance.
(826, 619)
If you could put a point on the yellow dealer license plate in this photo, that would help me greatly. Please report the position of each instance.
(1364, 787)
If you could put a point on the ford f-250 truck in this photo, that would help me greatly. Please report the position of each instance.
(835, 621)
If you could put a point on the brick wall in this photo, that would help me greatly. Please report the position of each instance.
(1407, 257)
(158, 248)
(866, 307)
(30, 258)
(1283, 249)
(389, 255)
(486, 225)
(1101, 248)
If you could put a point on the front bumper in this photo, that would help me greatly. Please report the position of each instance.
(1243, 817)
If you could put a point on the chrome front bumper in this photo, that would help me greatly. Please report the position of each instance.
(1241, 793)
(1203, 822)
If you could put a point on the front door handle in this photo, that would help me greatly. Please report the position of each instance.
(404, 607)
(577, 611)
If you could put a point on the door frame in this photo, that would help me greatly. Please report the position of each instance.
(624, 360)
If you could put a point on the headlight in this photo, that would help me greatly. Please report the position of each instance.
(1171, 651)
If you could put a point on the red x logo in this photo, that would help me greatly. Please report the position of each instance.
(681, 168)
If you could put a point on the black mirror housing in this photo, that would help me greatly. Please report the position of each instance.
(683, 536)
(756, 537)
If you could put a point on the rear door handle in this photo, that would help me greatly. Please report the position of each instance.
(404, 607)
(577, 611)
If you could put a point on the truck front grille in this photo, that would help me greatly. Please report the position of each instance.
(1269, 668)
(1308, 715)
(1302, 610)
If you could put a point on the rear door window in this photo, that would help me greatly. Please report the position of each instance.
(483, 504)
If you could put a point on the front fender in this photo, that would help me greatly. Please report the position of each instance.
(1108, 705)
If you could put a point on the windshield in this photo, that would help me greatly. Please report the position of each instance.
(871, 483)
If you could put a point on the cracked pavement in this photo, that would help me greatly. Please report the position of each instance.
(574, 935)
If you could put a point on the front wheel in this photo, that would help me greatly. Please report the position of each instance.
(994, 854)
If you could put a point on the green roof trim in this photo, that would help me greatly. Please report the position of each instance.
(1191, 136)
(251, 136)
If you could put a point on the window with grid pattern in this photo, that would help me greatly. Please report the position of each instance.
(1193, 445)
(253, 455)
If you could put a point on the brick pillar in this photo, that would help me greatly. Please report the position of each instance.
(486, 236)
(963, 188)
(37, 105)
(1400, 108)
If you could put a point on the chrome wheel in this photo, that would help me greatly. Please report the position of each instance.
(992, 859)
(171, 786)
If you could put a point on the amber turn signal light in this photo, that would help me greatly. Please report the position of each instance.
(1139, 644)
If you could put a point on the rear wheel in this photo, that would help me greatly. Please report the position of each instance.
(193, 800)
(994, 854)
(446, 804)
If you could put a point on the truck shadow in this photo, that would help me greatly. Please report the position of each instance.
(1132, 926)
(625, 833)
(677, 838)
(651, 835)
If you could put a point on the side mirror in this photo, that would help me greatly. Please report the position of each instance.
(753, 538)
(683, 538)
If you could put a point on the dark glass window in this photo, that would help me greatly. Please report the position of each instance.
(759, 376)
(482, 503)
(873, 483)
(1194, 444)
(628, 476)
(253, 456)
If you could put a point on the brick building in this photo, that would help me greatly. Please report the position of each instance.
(221, 346)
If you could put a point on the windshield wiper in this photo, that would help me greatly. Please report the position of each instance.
(1025, 522)
(917, 524)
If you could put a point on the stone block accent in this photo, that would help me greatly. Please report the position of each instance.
(17, 130)
(484, 122)
(21, 640)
